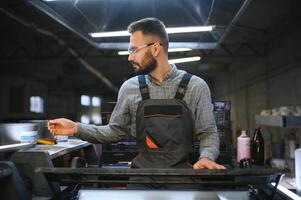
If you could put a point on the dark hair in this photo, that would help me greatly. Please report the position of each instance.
(151, 26)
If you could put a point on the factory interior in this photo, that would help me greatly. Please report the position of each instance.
(72, 61)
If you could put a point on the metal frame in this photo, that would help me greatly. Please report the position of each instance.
(228, 177)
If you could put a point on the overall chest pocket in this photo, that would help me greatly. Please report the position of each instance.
(162, 125)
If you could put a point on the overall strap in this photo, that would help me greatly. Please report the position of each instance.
(183, 86)
(143, 87)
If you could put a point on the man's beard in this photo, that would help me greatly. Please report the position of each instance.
(147, 66)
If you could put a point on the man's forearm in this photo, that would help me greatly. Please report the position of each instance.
(99, 134)
(209, 145)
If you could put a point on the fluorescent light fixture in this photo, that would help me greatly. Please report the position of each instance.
(188, 29)
(287, 192)
(183, 60)
(121, 46)
(123, 53)
(169, 50)
(179, 49)
(110, 34)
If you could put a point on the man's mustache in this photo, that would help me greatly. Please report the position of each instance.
(134, 63)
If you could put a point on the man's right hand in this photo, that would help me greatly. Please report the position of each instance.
(62, 126)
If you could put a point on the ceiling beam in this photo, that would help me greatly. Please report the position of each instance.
(61, 42)
(235, 19)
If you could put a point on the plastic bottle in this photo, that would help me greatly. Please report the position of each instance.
(257, 145)
(243, 146)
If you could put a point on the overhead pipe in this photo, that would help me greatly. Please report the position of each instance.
(61, 42)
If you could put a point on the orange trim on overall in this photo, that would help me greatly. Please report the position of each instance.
(160, 115)
(150, 143)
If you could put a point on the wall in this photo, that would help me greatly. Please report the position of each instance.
(256, 83)
(62, 103)
(15, 97)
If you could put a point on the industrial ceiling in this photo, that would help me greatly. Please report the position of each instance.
(50, 40)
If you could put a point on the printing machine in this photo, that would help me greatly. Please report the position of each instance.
(82, 182)
(110, 181)
(46, 171)
(252, 183)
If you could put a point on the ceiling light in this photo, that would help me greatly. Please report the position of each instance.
(179, 49)
(183, 60)
(122, 53)
(188, 29)
(169, 50)
(110, 34)
(121, 46)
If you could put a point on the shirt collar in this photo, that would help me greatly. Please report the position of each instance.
(169, 75)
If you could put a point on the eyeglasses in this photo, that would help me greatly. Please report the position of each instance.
(134, 50)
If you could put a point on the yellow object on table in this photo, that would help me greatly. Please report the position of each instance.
(48, 141)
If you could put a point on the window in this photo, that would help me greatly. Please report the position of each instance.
(85, 119)
(36, 104)
(85, 100)
(95, 101)
(90, 109)
(96, 119)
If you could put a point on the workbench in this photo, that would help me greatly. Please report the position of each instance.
(58, 155)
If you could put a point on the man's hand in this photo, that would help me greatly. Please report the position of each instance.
(206, 163)
(62, 126)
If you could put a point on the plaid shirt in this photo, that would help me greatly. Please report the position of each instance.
(123, 119)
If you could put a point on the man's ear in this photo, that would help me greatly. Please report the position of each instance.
(157, 49)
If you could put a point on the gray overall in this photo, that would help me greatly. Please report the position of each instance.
(165, 131)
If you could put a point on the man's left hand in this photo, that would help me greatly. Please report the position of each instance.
(206, 163)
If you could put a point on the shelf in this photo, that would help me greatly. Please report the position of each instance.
(279, 121)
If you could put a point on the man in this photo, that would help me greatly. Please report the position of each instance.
(149, 55)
